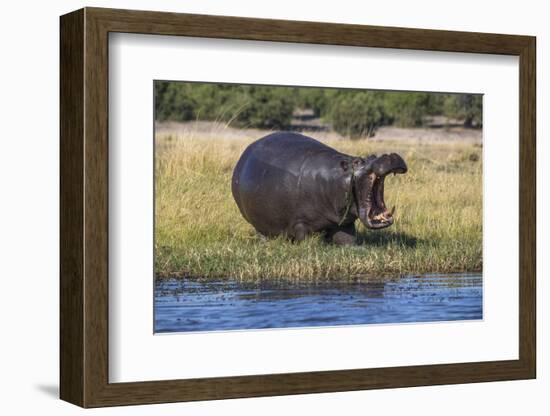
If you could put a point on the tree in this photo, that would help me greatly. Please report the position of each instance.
(316, 99)
(407, 109)
(467, 107)
(357, 113)
(265, 107)
(171, 102)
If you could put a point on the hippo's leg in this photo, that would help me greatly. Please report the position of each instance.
(300, 232)
(344, 235)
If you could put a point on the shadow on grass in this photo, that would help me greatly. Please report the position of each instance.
(384, 238)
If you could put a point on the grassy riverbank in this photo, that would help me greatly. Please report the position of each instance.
(200, 232)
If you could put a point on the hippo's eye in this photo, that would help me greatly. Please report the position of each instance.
(344, 165)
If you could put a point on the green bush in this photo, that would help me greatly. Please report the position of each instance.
(219, 102)
(466, 107)
(172, 103)
(242, 105)
(264, 107)
(354, 113)
(316, 99)
(357, 114)
(408, 109)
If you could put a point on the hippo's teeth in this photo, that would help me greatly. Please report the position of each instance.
(384, 216)
(381, 217)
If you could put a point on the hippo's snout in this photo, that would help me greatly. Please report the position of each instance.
(392, 163)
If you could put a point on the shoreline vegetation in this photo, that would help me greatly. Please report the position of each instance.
(200, 233)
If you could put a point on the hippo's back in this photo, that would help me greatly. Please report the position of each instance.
(266, 179)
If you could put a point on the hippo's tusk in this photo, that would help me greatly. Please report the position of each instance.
(392, 211)
(382, 217)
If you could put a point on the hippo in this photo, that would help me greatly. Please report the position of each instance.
(288, 184)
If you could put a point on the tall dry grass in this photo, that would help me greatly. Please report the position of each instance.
(200, 232)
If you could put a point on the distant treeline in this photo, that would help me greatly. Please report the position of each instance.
(353, 113)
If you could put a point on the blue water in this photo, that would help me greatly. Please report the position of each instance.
(185, 305)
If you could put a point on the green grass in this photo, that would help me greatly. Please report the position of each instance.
(201, 233)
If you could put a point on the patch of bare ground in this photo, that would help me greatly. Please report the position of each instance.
(428, 134)
(321, 131)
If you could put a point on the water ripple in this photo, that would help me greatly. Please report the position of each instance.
(190, 305)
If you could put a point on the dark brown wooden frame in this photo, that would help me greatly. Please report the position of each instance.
(84, 209)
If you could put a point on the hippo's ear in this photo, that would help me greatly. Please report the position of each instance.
(344, 164)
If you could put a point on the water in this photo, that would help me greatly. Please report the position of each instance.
(199, 305)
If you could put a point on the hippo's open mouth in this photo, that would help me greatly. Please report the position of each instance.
(372, 207)
(378, 215)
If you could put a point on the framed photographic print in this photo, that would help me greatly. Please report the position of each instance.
(255, 207)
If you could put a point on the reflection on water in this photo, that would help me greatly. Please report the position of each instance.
(199, 305)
